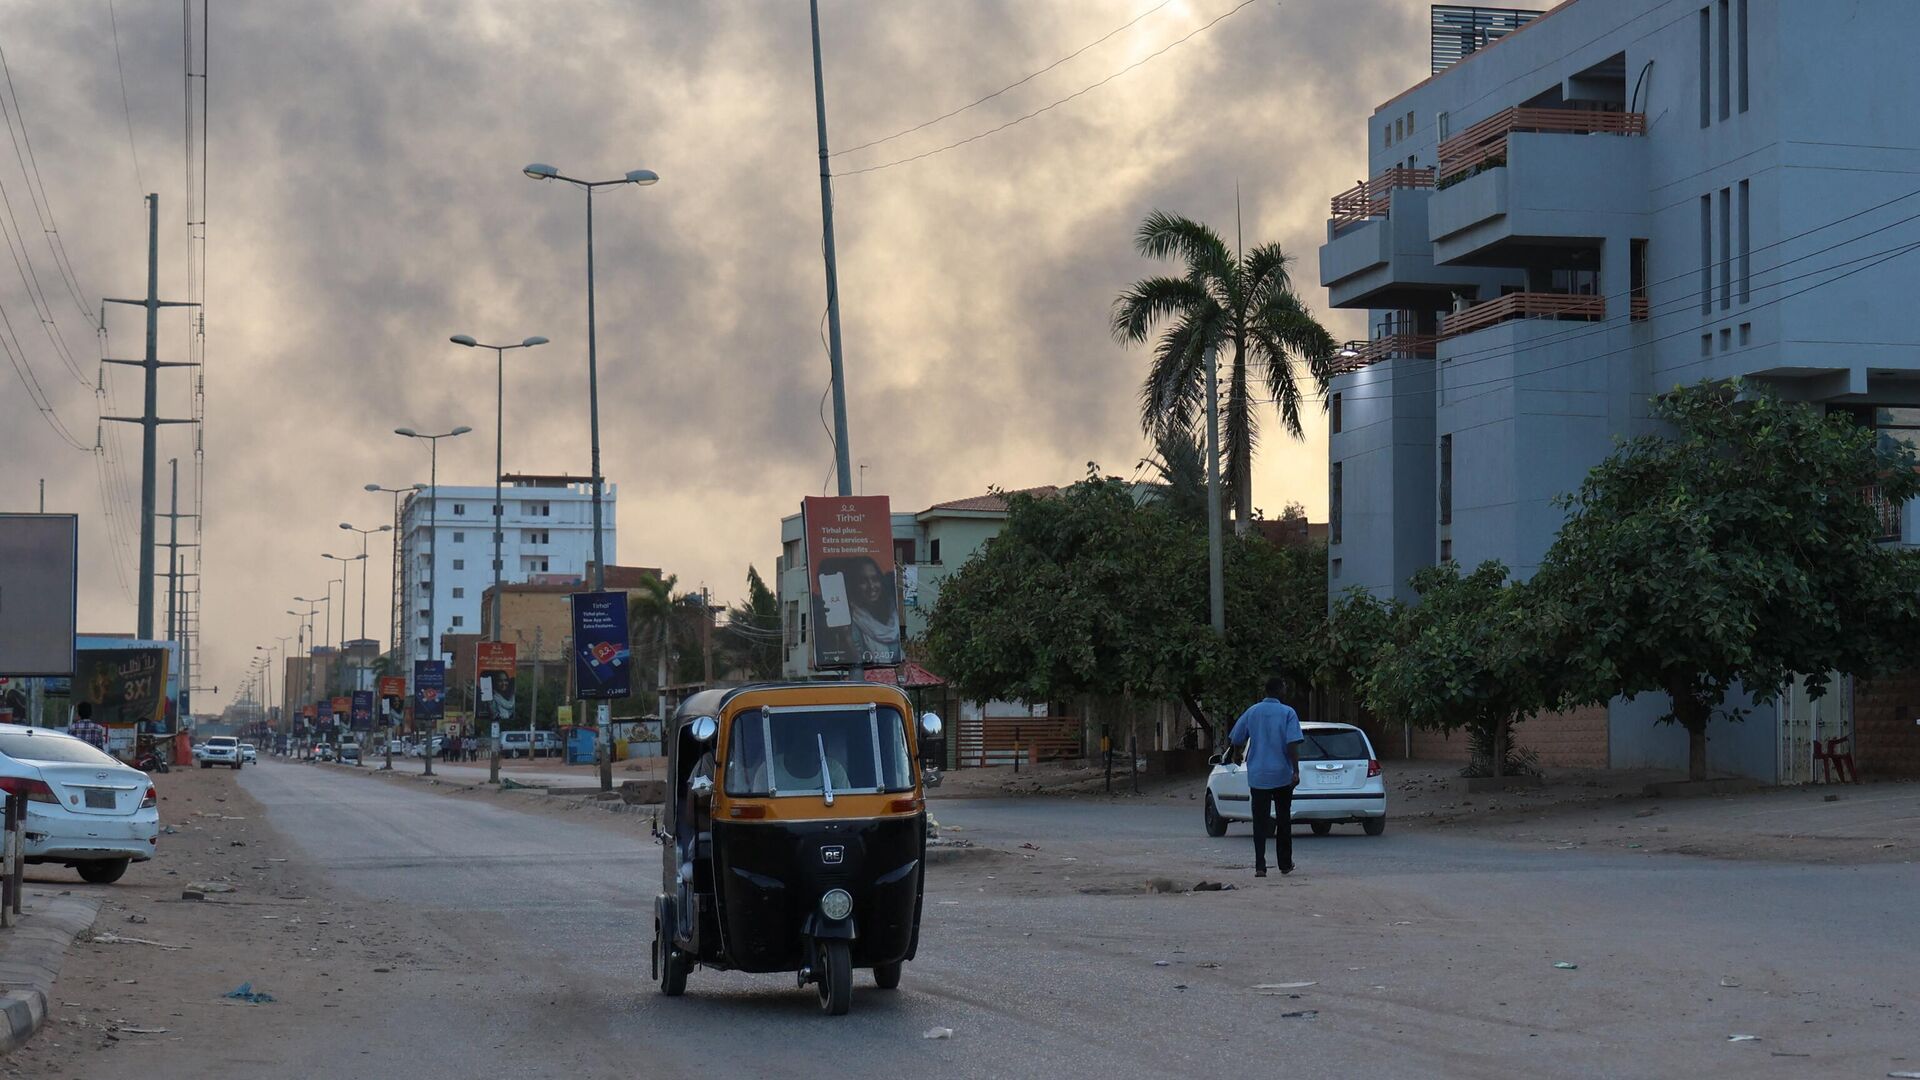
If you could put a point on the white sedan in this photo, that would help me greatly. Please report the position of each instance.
(1339, 781)
(84, 809)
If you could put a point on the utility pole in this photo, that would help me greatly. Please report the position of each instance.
(1216, 577)
(533, 718)
(840, 451)
(706, 636)
(150, 420)
(173, 549)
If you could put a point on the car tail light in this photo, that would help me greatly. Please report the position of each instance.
(1373, 767)
(32, 790)
(152, 799)
(903, 806)
(747, 812)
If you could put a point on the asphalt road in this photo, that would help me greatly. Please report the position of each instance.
(1429, 955)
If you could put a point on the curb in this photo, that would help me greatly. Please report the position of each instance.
(30, 958)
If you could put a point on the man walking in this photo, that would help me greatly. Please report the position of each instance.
(82, 727)
(1270, 730)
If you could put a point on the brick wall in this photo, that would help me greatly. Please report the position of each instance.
(1886, 741)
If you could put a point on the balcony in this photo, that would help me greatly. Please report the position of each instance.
(1374, 198)
(1355, 355)
(1524, 305)
(1484, 145)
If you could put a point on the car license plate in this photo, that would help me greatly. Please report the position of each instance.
(1330, 779)
(99, 799)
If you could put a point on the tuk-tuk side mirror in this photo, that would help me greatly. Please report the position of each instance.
(930, 725)
(703, 729)
(1217, 759)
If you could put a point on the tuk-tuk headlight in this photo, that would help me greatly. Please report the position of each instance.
(836, 904)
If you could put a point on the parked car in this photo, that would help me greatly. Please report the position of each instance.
(221, 750)
(199, 751)
(1339, 782)
(84, 809)
(349, 751)
(249, 753)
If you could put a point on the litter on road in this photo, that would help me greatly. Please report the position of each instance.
(1564, 966)
(245, 992)
(938, 1033)
(1743, 1038)
(1287, 985)
(116, 939)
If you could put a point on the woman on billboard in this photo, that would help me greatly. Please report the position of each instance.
(870, 620)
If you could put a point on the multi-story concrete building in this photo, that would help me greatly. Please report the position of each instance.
(1617, 197)
(547, 528)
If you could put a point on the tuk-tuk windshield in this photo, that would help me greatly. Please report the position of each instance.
(783, 751)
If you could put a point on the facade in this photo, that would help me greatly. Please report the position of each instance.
(547, 527)
(927, 547)
(1618, 197)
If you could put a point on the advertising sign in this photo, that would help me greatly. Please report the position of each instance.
(850, 573)
(125, 686)
(39, 560)
(429, 689)
(342, 706)
(363, 710)
(601, 658)
(494, 664)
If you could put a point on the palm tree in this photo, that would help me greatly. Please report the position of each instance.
(1244, 306)
(650, 618)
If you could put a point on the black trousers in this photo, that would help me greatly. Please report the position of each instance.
(1273, 807)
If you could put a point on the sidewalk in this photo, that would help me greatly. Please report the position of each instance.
(31, 954)
(542, 772)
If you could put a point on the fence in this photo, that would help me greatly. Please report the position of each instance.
(1003, 740)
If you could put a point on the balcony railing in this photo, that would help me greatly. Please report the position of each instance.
(1355, 355)
(1886, 513)
(1374, 198)
(1640, 309)
(1523, 305)
(1485, 143)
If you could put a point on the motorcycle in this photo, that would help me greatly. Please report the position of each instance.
(152, 762)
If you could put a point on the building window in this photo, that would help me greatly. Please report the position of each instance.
(459, 593)
(1746, 243)
(1443, 126)
(1706, 66)
(423, 643)
(459, 620)
(1726, 66)
(1726, 248)
(803, 628)
(460, 508)
(535, 537)
(1409, 123)
(459, 538)
(1399, 132)
(459, 564)
(903, 553)
(1333, 568)
(1386, 135)
(1706, 254)
(536, 566)
(1333, 414)
(1706, 343)
(539, 509)
(933, 551)
(1446, 480)
(1743, 55)
(425, 587)
(1446, 549)
(1637, 281)
(1334, 507)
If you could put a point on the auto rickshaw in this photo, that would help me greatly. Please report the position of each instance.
(794, 836)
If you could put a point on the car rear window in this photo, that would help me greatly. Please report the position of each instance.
(51, 748)
(1336, 745)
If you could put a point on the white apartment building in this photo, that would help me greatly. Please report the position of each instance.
(547, 528)
(1582, 208)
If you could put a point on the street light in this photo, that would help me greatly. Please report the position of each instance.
(364, 533)
(433, 540)
(642, 178)
(499, 435)
(345, 562)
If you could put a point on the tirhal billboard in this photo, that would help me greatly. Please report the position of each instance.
(494, 664)
(601, 658)
(429, 691)
(850, 574)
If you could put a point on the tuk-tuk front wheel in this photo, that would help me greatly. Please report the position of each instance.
(836, 978)
(670, 965)
(887, 976)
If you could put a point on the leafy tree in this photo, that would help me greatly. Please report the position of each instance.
(1179, 462)
(750, 641)
(1738, 549)
(1276, 610)
(1465, 656)
(1244, 305)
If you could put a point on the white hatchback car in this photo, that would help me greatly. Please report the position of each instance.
(1339, 782)
(84, 809)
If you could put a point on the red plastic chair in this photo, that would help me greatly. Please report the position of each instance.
(1832, 759)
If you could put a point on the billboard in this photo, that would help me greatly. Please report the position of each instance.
(39, 571)
(126, 686)
(602, 665)
(363, 710)
(429, 689)
(393, 695)
(494, 665)
(850, 574)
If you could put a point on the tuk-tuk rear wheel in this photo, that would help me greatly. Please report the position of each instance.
(887, 976)
(836, 978)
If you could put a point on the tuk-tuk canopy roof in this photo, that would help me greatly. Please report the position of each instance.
(714, 702)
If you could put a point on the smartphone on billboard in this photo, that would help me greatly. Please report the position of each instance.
(833, 597)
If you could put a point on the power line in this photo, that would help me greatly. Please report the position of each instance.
(125, 109)
(48, 225)
(1027, 79)
(1062, 101)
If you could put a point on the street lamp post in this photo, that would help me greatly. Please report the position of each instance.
(304, 643)
(433, 544)
(364, 533)
(346, 561)
(641, 177)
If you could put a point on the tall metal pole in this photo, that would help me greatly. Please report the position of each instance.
(499, 439)
(1216, 575)
(173, 553)
(433, 572)
(593, 408)
(149, 429)
(840, 450)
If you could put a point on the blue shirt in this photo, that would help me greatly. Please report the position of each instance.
(1271, 726)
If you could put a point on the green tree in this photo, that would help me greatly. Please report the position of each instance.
(1739, 549)
(1244, 305)
(1467, 655)
(750, 641)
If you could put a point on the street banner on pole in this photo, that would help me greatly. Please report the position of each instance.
(125, 686)
(429, 689)
(393, 696)
(494, 663)
(363, 710)
(600, 652)
(850, 573)
(342, 706)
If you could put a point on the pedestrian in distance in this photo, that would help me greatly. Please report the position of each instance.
(1270, 731)
(82, 727)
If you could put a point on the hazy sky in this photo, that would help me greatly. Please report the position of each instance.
(366, 201)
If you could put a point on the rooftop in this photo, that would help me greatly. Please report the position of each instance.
(993, 502)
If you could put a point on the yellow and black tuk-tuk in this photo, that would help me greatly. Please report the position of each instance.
(795, 836)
